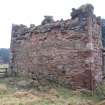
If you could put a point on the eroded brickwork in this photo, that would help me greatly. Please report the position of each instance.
(66, 51)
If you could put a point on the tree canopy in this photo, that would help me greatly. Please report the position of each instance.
(4, 55)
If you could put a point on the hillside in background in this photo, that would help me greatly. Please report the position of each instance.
(4, 55)
(103, 32)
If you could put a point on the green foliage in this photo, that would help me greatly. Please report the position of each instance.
(56, 95)
(4, 55)
(103, 32)
(100, 91)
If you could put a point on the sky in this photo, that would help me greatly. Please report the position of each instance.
(32, 11)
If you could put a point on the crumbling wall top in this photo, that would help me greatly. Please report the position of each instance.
(47, 19)
(78, 22)
(83, 11)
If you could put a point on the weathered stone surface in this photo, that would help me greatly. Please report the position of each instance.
(83, 11)
(47, 20)
(67, 52)
(24, 84)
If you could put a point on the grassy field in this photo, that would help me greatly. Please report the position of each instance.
(4, 65)
(57, 95)
(3, 70)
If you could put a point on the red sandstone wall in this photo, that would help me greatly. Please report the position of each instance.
(67, 52)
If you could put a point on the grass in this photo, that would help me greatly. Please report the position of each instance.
(57, 95)
(4, 65)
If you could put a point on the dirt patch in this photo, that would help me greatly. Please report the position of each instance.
(22, 94)
(3, 89)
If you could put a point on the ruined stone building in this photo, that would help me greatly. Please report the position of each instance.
(68, 52)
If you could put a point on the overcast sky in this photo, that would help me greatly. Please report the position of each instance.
(32, 12)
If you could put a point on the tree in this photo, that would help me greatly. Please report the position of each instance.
(103, 32)
(4, 55)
